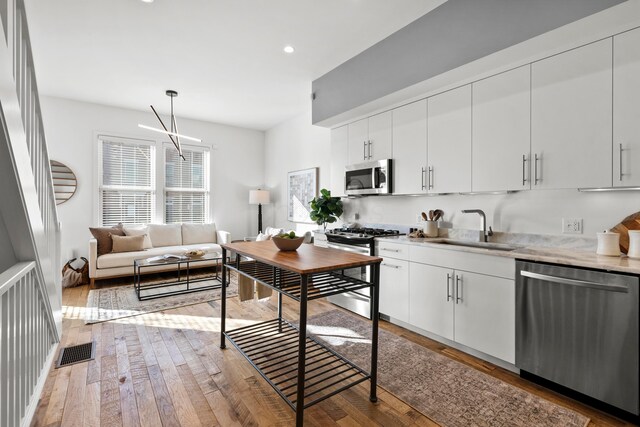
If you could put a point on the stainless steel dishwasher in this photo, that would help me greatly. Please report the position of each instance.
(579, 328)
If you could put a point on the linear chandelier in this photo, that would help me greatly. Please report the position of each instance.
(173, 132)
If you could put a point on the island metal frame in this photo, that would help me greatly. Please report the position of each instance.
(300, 368)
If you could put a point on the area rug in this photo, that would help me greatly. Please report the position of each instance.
(448, 392)
(116, 302)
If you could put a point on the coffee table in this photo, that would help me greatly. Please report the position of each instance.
(185, 283)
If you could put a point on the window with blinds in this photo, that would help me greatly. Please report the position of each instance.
(127, 181)
(186, 185)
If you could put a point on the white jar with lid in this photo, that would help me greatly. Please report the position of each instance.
(608, 244)
(634, 244)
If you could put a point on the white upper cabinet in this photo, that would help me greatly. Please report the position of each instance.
(339, 146)
(358, 138)
(501, 131)
(449, 141)
(626, 109)
(410, 148)
(371, 138)
(571, 112)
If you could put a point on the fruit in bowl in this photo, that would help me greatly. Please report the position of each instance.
(287, 241)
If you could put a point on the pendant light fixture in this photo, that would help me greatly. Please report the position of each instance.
(173, 134)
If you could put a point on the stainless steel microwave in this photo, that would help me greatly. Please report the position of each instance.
(368, 178)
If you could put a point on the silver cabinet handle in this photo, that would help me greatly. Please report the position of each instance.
(369, 143)
(390, 250)
(390, 265)
(575, 282)
(364, 150)
(430, 177)
(535, 170)
(458, 293)
(422, 176)
(449, 296)
(621, 174)
(524, 166)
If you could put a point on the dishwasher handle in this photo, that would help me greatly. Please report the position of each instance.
(575, 282)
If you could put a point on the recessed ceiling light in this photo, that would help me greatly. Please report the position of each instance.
(147, 1)
(289, 49)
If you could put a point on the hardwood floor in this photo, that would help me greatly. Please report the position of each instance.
(166, 369)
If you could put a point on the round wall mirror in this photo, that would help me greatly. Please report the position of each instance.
(64, 181)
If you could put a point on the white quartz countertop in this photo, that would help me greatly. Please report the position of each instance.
(567, 256)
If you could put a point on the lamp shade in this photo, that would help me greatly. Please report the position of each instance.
(259, 197)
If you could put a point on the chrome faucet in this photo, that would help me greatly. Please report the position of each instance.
(483, 222)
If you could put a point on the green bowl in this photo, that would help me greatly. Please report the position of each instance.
(287, 244)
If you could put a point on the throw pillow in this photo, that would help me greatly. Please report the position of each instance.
(261, 237)
(103, 236)
(128, 243)
(198, 233)
(139, 231)
(165, 234)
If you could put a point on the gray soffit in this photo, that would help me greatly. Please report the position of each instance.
(454, 34)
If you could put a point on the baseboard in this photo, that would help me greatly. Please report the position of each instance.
(37, 391)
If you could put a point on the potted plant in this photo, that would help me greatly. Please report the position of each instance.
(325, 209)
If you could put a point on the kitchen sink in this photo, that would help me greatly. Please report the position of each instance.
(483, 245)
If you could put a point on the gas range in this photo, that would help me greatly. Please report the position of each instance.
(358, 235)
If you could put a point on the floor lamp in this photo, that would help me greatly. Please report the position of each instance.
(259, 197)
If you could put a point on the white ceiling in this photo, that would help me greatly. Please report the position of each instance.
(224, 57)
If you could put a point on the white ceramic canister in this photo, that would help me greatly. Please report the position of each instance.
(634, 244)
(430, 228)
(608, 244)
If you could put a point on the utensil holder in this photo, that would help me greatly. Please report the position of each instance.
(430, 228)
(634, 244)
(608, 244)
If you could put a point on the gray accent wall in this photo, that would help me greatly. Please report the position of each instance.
(452, 35)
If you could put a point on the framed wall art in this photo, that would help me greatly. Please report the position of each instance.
(302, 187)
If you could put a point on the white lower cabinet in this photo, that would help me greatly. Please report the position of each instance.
(473, 309)
(430, 299)
(485, 317)
(394, 289)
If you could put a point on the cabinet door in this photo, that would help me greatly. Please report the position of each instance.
(380, 136)
(394, 289)
(626, 109)
(501, 131)
(431, 299)
(339, 153)
(571, 111)
(485, 314)
(358, 141)
(410, 148)
(449, 141)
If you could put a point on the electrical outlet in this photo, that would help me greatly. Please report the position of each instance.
(356, 216)
(571, 225)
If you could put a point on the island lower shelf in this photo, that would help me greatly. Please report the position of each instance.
(272, 348)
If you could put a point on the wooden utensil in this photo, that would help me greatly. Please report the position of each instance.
(424, 216)
(437, 214)
(431, 215)
(632, 222)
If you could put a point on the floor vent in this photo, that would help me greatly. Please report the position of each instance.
(76, 354)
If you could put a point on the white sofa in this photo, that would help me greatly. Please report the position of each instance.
(164, 239)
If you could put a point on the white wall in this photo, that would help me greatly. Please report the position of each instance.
(291, 146)
(7, 257)
(296, 144)
(236, 163)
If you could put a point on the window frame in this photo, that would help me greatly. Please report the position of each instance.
(103, 137)
(157, 178)
(206, 180)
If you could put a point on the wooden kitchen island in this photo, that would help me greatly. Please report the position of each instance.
(301, 369)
